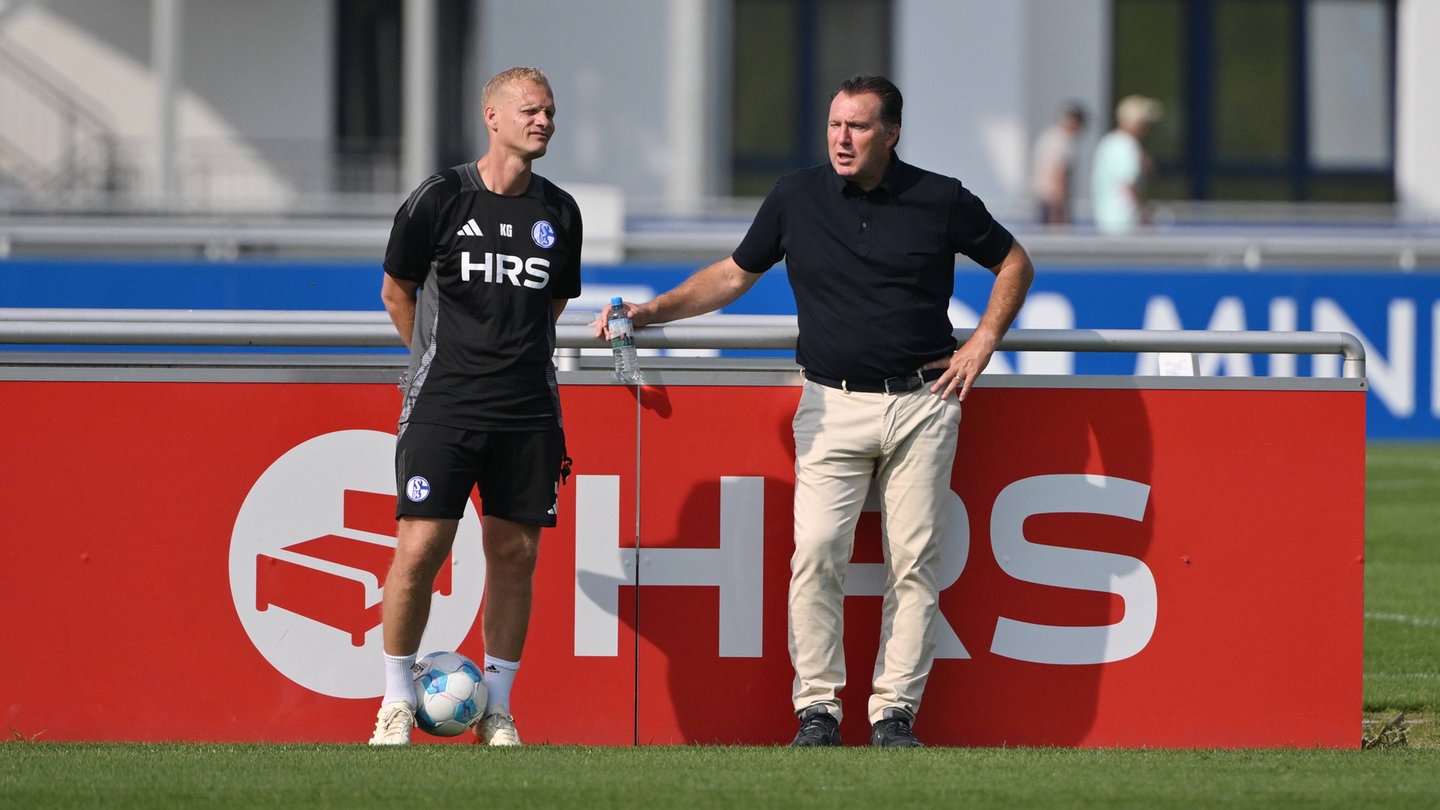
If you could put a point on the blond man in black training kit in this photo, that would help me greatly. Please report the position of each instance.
(482, 259)
(869, 244)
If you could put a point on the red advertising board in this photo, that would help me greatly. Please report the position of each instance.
(1124, 567)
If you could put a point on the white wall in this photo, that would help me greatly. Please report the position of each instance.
(257, 73)
(1069, 60)
(607, 68)
(981, 79)
(963, 76)
(1417, 116)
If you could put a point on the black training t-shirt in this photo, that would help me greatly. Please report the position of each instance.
(872, 272)
(489, 267)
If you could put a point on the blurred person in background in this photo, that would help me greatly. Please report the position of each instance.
(1122, 166)
(1052, 165)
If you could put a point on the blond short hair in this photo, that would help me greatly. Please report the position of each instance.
(505, 78)
(1134, 110)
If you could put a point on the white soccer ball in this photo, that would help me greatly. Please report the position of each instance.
(450, 691)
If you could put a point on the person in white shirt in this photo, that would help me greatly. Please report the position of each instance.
(1052, 165)
(1121, 166)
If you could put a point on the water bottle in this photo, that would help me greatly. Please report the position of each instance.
(622, 343)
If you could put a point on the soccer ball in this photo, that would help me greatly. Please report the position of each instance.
(450, 691)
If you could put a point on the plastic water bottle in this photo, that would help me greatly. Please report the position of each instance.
(622, 343)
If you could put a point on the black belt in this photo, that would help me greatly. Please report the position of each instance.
(895, 385)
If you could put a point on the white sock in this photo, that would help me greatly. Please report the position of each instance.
(499, 677)
(399, 680)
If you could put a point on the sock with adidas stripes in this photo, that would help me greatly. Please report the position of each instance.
(499, 677)
(399, 680)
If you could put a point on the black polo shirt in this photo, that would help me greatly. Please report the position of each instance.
(872, 272)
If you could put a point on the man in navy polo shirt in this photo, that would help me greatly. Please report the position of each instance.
(869, 243)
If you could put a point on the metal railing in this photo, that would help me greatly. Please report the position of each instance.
(283, 328)
(357, 226)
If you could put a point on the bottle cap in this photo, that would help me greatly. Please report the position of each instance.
(616, 301)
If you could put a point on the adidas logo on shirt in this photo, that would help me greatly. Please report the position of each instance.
(470, 229)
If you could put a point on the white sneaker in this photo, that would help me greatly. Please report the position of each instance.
(393, 725)
(497, 728)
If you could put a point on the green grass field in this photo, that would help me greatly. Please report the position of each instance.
(693, 777)
(1402, 579)
(1401, 768)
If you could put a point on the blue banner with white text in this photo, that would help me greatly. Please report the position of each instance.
(1393, 313)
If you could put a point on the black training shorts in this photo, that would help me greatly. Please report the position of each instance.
(518, 472)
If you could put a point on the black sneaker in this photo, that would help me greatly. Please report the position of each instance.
(893, 731)
(817, 728)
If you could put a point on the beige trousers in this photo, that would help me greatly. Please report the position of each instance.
(845, 443)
